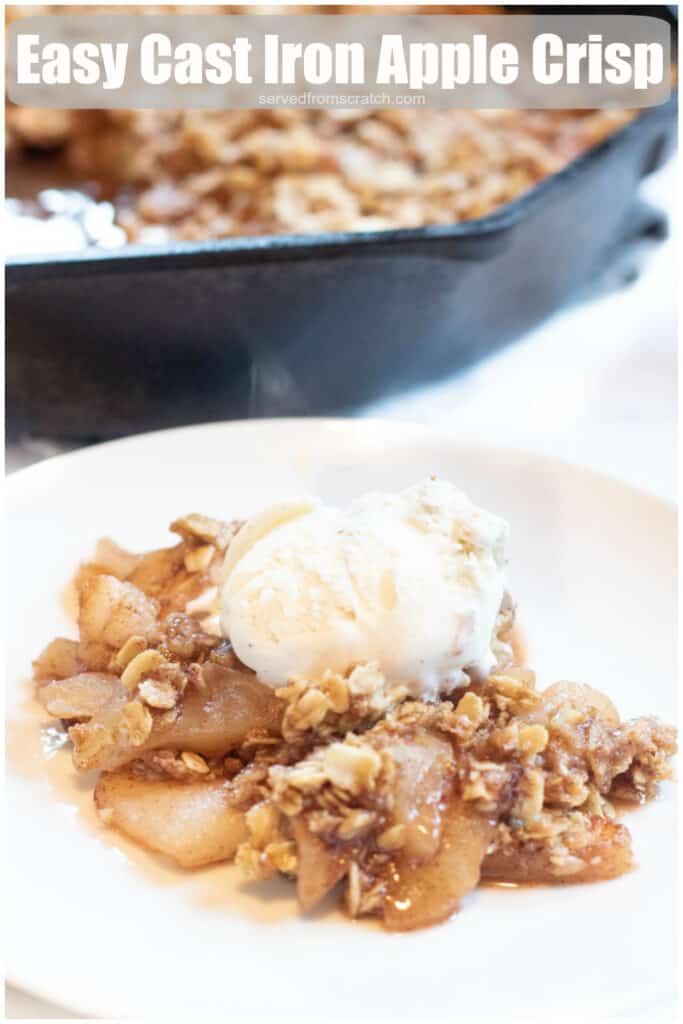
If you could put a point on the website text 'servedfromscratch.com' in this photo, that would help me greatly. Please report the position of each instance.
(308, 99)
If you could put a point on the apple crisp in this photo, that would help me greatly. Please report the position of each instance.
(339, 779)
(217, 174)
(200, 174)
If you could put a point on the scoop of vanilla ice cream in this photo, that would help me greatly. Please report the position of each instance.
(412, 581)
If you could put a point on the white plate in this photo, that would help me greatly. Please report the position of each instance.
(107, 930)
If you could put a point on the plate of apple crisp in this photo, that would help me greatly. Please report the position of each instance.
(377, 698)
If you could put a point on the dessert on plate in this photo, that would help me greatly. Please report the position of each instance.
(340, 696)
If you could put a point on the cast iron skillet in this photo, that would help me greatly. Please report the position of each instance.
(107, 343)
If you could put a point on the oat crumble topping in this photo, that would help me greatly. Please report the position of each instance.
(340, 779)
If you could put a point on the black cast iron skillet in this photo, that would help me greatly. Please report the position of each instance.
(108, 343)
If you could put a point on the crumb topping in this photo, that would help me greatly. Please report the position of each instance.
(342, 778)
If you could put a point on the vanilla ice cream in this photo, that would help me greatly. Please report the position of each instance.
(412, 581)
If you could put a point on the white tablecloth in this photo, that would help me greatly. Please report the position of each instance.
(595, 385)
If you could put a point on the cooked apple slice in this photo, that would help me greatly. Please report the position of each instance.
(192, 823)
(319, 867)
(216, 720)
(424, 894)
(162, 574)
(112, 559)
(606, 854)
(423, 778)
(63, 659)
(82, 695)
(111, 611)
(212, 721)
(58, 660)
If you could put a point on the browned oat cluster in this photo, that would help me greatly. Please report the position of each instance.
(339, 778)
